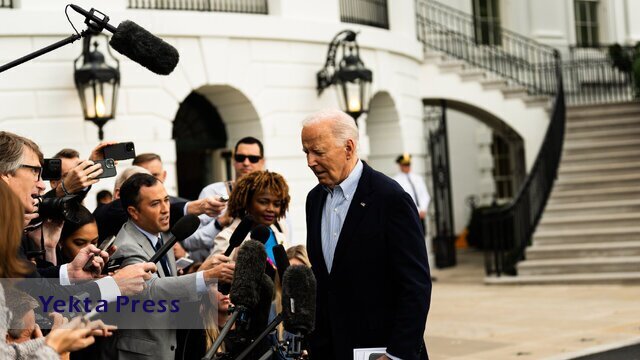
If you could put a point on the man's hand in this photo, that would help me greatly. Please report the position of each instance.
(210, 206)
(131, 279)
(79, 177)
(213, 261)
(68, 336)
(179, 251)
(97, 153)
(88, 253)
(51, 231)
(422, 214)
(221, 272)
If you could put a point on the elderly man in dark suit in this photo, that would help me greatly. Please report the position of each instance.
(366, 247)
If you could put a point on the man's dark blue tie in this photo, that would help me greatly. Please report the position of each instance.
(164, 262)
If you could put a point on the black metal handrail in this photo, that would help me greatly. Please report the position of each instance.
(591, 77)
(6, 3)
(235, 6)
(365, 12)
(508, 230)
(519, 59)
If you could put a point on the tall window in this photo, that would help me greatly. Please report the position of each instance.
(586, 12)
(486, 15)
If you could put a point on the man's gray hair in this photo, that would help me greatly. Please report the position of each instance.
(12, 151)
(343, 126)
(19, 303)
(127, 173)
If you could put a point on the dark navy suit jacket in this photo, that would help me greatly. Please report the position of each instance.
(379, 290)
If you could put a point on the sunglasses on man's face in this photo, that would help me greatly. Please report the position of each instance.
(252, 158)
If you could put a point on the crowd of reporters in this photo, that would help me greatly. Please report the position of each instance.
(52, 235)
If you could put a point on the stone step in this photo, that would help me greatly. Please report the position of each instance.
(598, 168)
(592, 207)
(537, 101)
(602, 110)
(493, 84)
(451, 66)
(602, 156)
(472, 74)
(581, 265)
(560, 251)
(582, 235)
(514, 93)
(553, 221)
(587, 146)
(610, 132)
(582, 278)
(597, 181)
(568, 196)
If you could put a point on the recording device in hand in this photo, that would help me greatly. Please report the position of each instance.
(186, 226)
(51, 169)
(136, 43)
(104, 245)
(120, 151)
(108, 168)
(56, 208)
(298, 305)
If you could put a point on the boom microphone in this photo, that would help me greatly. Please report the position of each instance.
(136, 43)
(186, 226)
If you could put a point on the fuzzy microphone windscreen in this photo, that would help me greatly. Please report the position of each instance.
(299, 299)
(250, 263)
(148, 50)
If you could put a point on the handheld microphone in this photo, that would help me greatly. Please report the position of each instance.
(298, 305)
(186, 226)
(261, 233)
(282, 260)
(136, 43)
(239, 234)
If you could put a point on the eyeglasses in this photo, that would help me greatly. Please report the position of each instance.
(252, 158)
(37, 170)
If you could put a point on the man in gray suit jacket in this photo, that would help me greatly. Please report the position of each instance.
(147, 204)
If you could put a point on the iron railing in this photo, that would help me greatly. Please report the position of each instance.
(519, 59)
(365, 12)
(591, 78)
(234, 6)
(6, 3)
(508, 230)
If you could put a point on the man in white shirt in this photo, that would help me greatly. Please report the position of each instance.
(414, 185)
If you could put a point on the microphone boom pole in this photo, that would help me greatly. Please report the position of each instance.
(42, 51)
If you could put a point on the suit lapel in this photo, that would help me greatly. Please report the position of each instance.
(170, 256)
(319, 196)
(357, 209)
(141, 239)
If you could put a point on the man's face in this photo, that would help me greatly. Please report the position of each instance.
(65, 166)
(245, 166)
(329, 161)
(152, 212)
(405, 168)
(29, 321)
(156, 169)
(26, 182)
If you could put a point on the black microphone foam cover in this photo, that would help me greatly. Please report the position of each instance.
(245, 287)
(281, 258)
(239, 234)
(148, 50)
(262, 310)
(185, 227)
(299, 299)
(261, 233)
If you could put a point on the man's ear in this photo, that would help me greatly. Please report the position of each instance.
(350, 148)
(133, 213)
(164, 176)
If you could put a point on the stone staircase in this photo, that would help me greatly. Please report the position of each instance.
(590, 230)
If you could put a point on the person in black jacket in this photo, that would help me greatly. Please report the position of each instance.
(366, 247)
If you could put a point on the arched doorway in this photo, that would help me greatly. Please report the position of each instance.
(383, 130)
(208, 124)
(198, 131)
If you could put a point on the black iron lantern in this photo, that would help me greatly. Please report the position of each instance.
(97, 84)
(351, 78)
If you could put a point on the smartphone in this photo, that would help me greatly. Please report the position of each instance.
(121, 151)
(106, 243)
(183, 263)
(108, 168)
(52, 169)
